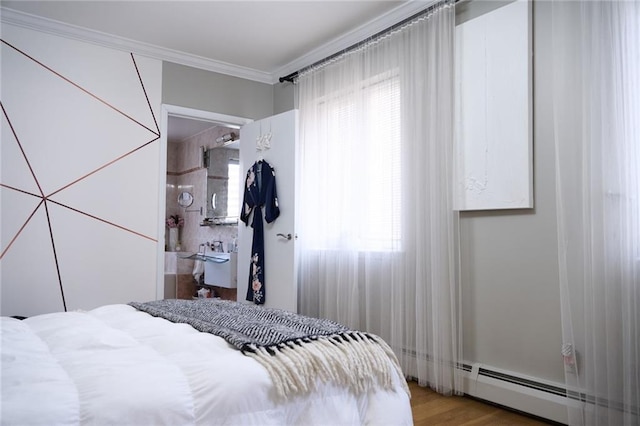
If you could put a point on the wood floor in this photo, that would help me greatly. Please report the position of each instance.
(430, 408)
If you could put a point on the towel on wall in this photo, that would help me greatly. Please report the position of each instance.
(198, 270)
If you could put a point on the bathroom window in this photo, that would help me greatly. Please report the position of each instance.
(233, 193)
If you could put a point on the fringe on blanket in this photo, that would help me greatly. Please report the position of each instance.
(357, 360)
(297, 351)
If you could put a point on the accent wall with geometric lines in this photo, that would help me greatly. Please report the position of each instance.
(79, 192)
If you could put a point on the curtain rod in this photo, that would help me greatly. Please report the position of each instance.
(292, 77)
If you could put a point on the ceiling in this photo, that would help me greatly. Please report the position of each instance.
(180, 128)
(250, 39)
(258, 40)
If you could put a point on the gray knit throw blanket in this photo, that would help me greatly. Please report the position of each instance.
(296, 350)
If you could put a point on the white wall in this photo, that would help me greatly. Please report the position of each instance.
(80, 165)
(283, 97)
(510, 289)
(106, 249)
(219, 93)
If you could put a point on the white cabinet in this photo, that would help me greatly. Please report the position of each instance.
(221, 270)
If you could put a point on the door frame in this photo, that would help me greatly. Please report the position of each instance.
(183, 112)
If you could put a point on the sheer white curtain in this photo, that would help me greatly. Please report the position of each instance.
(378, 233)
(597, 136)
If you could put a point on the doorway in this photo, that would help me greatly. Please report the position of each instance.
(175, 122)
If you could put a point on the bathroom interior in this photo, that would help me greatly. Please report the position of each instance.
(202, 209)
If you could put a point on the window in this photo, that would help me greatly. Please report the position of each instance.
(233, 193)
(380, 229)
(360, 138)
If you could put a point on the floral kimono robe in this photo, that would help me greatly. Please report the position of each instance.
(259, 192)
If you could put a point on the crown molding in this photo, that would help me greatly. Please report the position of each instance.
(381, 23)
(50, 26)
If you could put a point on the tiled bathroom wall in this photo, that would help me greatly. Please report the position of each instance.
(185, 172)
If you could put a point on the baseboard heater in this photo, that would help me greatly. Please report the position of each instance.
(522, 393)
(529, 395)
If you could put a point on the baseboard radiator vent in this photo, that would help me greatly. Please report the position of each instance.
(526, 394)
(532, 384)
(547, 400)
(522, 393)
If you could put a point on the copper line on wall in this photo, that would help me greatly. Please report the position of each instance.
(45, 199)
(20, 190)
(104, 166)
(145, 94)
(15, 237)
(103, 220)
(80, 87)
(21, 149)
(55, 257)
(42, 201)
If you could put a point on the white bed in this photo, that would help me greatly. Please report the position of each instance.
(118, 365)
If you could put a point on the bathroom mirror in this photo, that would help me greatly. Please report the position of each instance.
(185, 199)
(223, 185)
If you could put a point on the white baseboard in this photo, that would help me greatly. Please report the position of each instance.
(530, 395)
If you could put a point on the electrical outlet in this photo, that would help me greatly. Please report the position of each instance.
(569, 358)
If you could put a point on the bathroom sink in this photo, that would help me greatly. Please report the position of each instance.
(223, 271)
(207, 257)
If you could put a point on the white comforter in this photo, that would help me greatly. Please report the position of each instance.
(116, 365)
